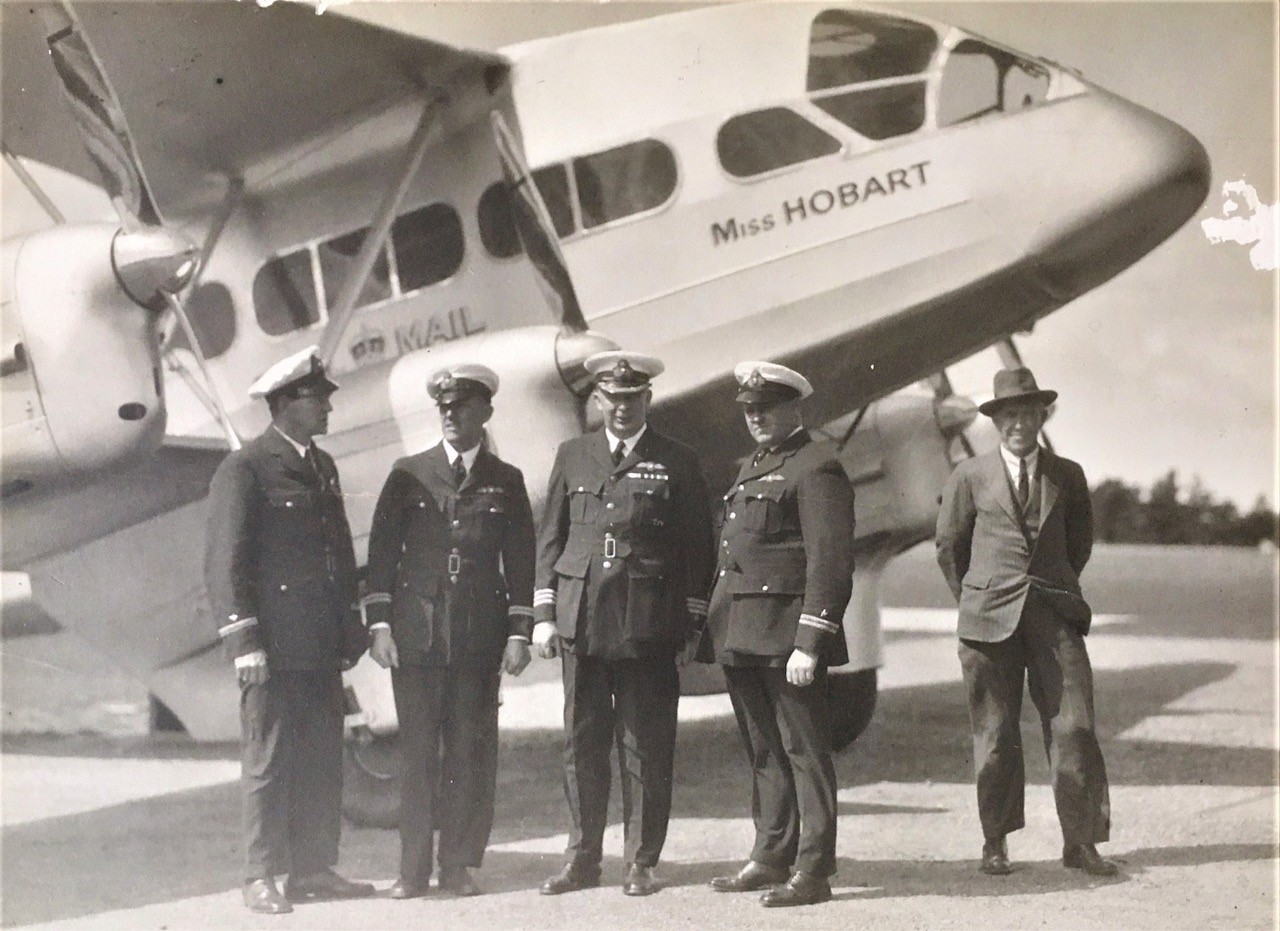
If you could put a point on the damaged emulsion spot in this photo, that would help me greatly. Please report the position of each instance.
(1255, 228)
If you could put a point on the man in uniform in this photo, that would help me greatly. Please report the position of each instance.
(784, 579)
(449, 604)
(281, 576)
(624, 558)
(1014, 533)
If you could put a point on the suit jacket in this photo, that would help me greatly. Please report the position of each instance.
(279, 564)
(786, 560)
(451, 569)
(624, 553)
(993, 564)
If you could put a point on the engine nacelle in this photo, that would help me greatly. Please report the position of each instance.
(82, 379)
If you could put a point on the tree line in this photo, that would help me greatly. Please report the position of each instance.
(1123, 513)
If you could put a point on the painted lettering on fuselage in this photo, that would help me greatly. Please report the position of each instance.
(372, 345)
(820, 202)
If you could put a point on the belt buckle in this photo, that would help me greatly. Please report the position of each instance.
(455, 563)
(610, 548)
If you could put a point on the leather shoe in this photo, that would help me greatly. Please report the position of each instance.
(995, 858)
(640, 880)
(403, 889)
(751, 878)
(800, 889)
(261, 895)
(458, 881)
(569, 879)
(320, 887)
(1086, 857)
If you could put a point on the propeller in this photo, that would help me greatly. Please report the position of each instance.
(152, 262)
(953, 412)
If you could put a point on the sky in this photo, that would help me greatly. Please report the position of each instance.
(1171, 365)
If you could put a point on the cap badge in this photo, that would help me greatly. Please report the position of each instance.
(622, 369)
(755, 381)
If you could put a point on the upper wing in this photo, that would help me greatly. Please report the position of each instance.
(216, 90)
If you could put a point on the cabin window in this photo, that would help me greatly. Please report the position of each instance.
(847, 47)
(879, 112)
(213, 318)
(623, 181)
(337, 259)
(497, 222)
(428, 244)
(284, 294)
(764, 140)
(979, 79)
(553, 184)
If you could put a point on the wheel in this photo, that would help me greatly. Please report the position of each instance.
(852, 699)
(371, 781)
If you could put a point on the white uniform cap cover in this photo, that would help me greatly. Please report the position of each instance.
(453, 380)
(304, 364)
(619, 371)
(755, 375)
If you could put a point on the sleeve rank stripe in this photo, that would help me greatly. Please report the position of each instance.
(544, 596)
(823, 625)
(228, 629)
(375, 598)
(519, 611)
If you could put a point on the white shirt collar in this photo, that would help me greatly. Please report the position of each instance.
(468, 458)
(628, 444)
(1011, 462)
(302, 450)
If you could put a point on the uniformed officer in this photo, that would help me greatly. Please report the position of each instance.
(281, 576)
(781, 587)
(449, 603)
(624, 560)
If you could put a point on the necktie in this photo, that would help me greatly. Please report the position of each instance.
(459, 472)
(1024, 486)
(313, 461)
(618, 452)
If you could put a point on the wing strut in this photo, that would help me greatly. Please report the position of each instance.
(344, 306)
(34, 189)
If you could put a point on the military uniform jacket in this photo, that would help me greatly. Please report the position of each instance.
(451, 569)
(624, 553)
(785, 571)
(279, 564)
(992, 561)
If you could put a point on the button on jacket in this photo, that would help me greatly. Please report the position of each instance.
(279, 564)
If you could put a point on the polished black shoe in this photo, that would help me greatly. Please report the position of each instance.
(261, 895)
(321, 887)
(995, 858)
(751, 878)
(800, 889)
(640, 880)
(1086, 857)
(457, 881)
(404, 889)
(569, 879)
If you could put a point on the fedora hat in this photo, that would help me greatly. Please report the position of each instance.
(1013, 385)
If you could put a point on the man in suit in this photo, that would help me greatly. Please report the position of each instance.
(449, 604)
(1014, 533)
(281, 576)
(624, 558)
(781, 588)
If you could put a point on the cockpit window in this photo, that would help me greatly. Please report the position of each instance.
(623, 181)
(764, 140)
(497, 223)
(879, 112)
(337, 258)
(847, 47)
(978, 79)
(428, 244)
(284, 293)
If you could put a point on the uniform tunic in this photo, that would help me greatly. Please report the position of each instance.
(451, 572)
(624, 559)
(281, 576)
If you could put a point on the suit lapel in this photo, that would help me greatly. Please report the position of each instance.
(998, 478)
(770, 463)
(637, 453)
(479, 469)
(1049, 483)
(279, 447)
(438, 460)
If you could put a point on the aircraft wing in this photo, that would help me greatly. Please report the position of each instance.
(229, 90)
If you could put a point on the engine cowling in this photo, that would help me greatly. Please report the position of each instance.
(82, 377)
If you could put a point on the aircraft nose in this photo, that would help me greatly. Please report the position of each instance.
(1130, 179)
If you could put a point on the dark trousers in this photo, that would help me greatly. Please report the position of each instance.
(630, 703)
(291, 772)
(787, 736)
(1056, 664)
(449, 750)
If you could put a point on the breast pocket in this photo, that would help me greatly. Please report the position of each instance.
(584, 501)
(763, 511)
(649, 502)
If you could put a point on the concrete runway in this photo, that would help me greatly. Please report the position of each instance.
(108, 831)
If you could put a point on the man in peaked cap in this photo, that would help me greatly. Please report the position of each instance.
(450, 606)
(624, 558)
(784, 579)
(1014, 533)
(281, 576)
